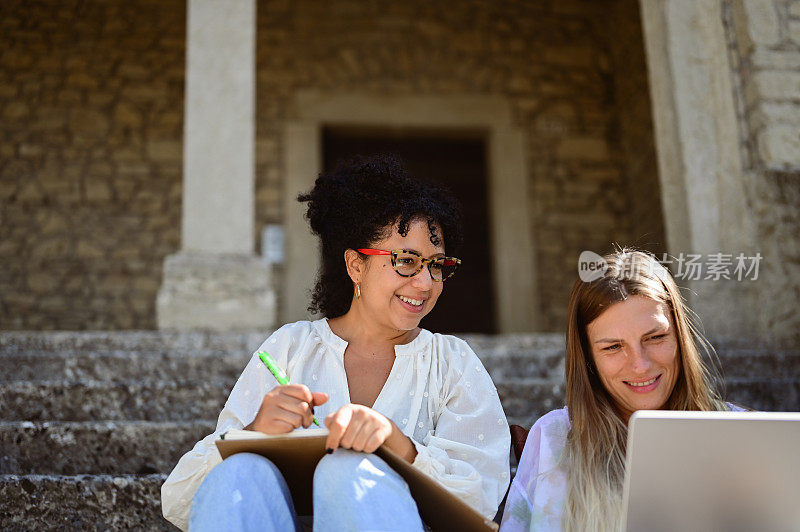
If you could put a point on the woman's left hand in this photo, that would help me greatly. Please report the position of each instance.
(361, 428)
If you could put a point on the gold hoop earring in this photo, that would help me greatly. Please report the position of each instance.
(358, 290)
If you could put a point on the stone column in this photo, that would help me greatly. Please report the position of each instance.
(703, 181)
(216, 281)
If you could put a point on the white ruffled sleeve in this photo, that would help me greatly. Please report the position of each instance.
(468, 449)
(239, 411)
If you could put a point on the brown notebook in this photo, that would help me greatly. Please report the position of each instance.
(296, 455)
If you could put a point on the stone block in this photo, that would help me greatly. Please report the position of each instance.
(88, 121)
(15, 110)
(217, 292)
(794, 32)
(97, 190)
(165, 150)
(775, 59)
(779, 147)
(42, 283)
(81, 80)
(777, 85)
(763, 26)
(31, 151)
(89, 250)
(100, 99)
(127, 114)
(133, 71)
(589, 148)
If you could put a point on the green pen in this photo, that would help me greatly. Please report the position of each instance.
(279, 374)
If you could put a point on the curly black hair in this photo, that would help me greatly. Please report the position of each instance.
(358, 204)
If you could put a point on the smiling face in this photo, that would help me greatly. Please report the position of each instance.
(635, 351)
(396, 302)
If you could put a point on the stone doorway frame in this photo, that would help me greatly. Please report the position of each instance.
(509, 206)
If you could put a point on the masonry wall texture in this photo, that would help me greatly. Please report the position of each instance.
(552, 61)
(636, 153)
(765, 51)
(91, 127)
(90, 141)
(91, 120)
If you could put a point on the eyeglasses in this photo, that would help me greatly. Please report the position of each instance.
(409, 263)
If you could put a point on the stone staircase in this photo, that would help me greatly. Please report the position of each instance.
(91, 423)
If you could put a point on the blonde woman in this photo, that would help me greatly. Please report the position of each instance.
(631, 345)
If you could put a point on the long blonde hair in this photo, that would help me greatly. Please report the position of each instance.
(595, 450)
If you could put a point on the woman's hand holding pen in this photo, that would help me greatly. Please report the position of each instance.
(285, 408)
(361, 428)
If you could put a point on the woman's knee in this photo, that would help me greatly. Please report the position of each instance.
(241, 466)
(345, 469)
(339, 465)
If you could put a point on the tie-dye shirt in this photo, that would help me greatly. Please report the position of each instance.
(536, 498)
(539, 490)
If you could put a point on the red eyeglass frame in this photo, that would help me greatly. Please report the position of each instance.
(449, 261)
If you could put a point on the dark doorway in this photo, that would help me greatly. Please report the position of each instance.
(457, 160)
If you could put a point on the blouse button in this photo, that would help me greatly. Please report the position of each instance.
(477, 368)
(458, 418)
(468, 384)
(313, 377)
(500, 421)
(411, 393)
(420, 424)
(272, 340)
(480, 437)
(425, 394)
(405, 422)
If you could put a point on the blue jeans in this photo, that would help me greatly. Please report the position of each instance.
(352, 491)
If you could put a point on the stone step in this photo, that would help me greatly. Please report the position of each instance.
(129, 341)
(117, 447)
(75, 448)
(502, 361)
(121, 366)
(189, 400)
(83, 502)
(193, 400)
(155, 400)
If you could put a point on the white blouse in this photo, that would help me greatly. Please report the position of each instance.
(438, 393)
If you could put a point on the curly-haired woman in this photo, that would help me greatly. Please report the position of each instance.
(367, 367)
(631, 345)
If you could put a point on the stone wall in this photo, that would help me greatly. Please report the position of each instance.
(764, 39)
(90, 137)
(550, 59)
(91, 126)
(634, 123)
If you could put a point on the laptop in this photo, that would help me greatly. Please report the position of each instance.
(712, 471)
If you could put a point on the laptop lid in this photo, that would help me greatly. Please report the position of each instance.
(712, 471)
